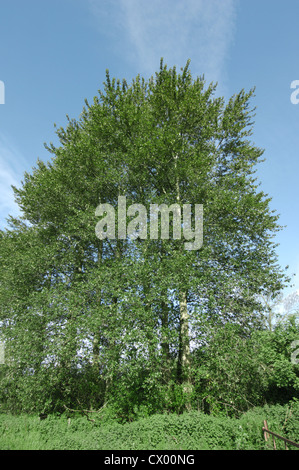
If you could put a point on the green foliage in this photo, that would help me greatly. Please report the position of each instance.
(188, 431)
(160, 432)
(236, 371)
(229, 376)
(283, 420)
(275, 350)
(88, 321)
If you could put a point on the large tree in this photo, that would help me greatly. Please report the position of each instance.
(130, 311)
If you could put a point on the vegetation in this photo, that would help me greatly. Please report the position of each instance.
(191, 430)
(149, 333)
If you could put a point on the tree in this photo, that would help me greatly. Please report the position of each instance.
(278, 309)
(236, 372)
(129, 311)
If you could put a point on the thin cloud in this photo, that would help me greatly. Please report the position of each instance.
(175, 30)
(11, 172)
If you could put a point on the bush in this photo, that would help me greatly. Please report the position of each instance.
(229, 379)
(189, 431)
(236, 372)
(281, 419)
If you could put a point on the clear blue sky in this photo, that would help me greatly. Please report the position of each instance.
(54, 53)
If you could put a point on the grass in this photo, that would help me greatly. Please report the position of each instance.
(188, 431)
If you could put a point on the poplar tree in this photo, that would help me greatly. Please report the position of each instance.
(85, 317)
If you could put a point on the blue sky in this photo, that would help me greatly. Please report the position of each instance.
(54, 53)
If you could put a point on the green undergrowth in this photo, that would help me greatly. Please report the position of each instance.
(189, 431)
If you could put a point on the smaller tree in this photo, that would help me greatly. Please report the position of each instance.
(236, 372)
(229, 377)
(278, 309)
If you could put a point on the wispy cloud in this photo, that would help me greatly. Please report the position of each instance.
(12, 166)
(173, 29)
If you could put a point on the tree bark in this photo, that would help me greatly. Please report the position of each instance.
(165, 342)
(184, 362)
(183, 371)
(96, 338)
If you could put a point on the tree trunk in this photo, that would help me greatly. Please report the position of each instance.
(96, 338)
(184, 362)
(165, 342)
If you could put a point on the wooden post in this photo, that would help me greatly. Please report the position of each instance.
(266, 434)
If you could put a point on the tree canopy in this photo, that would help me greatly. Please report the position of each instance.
(86, 318)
